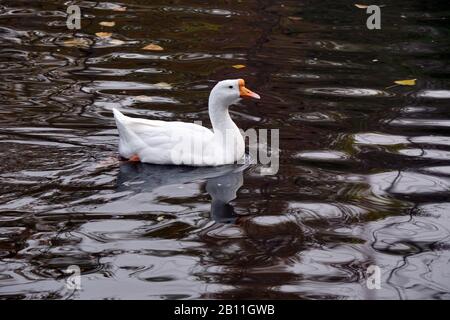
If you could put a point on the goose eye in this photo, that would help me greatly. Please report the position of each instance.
(231, 87)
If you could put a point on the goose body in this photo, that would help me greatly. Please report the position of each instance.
(181, 143)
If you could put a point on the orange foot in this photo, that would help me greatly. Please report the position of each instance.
(134, 158)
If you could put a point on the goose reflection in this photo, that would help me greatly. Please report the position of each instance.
(222, 183)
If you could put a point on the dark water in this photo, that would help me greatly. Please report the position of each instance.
(364, 173)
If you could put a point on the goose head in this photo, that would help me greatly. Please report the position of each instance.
(228, 92)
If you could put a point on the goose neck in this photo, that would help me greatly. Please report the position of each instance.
(220, 116)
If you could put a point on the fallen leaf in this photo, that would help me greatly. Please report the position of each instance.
(408, 82)
(143, 98)
(295, 18)
(163, 85)
(160, 218)
(153, 47)
(116, 42)
(103, 34)
(361, 6)
(120, 9)
(107, 23)
(239, 66)
(77, 42)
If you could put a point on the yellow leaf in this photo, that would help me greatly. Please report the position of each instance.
(107, 23)
(143, 98)
(163, 85)
(120, 9)
(77, 42)
(239, 66)
(409, 82)
(361, 6)
(153, 47)
(103, 34)
(116, 42)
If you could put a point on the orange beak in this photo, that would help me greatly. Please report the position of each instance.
(245, 93)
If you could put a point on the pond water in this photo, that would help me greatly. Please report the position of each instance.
(364, 173)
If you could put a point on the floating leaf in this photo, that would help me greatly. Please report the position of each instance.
(239, 66)
(116, 42)
(77, 42)
(103, 34)
(119, 8)
(143, 98)
(153, 47)
(163, 85)
(408, 82)
(107, 23)
(361, 6)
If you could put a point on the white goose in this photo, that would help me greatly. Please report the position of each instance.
(181, 143)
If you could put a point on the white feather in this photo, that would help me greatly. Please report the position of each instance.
(164, 142)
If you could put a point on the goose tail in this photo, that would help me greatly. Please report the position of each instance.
(119, 116)
(127, 138)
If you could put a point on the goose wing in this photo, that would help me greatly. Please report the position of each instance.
(158, 141)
